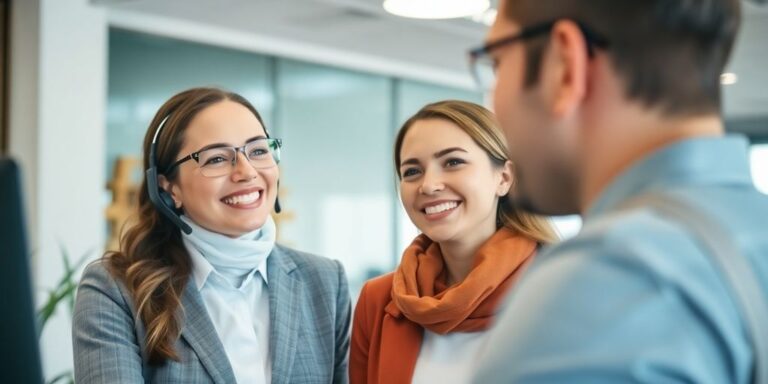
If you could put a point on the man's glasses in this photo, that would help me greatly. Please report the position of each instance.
(221, 161)
(483, 66)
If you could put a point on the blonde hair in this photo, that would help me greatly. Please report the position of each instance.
(480, 124)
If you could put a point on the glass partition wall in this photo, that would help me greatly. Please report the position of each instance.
(338, 189)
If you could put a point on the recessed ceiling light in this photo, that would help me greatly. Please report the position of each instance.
(436, 9)
(728, 78)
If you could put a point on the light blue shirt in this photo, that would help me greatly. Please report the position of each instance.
(240, 315)
(633, 298)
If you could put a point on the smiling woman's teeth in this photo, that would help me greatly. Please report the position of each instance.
(441, 208)
(242, 199)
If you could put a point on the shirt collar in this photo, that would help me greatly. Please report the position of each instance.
(202, 269)
(722, 160)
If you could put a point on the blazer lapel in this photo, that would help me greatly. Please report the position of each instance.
(285, 295)
(199, 332)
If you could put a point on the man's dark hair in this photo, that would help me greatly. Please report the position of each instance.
(670, 53)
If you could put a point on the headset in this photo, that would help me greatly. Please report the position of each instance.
(160, 198)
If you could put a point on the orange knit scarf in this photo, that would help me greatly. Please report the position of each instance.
(420, 293)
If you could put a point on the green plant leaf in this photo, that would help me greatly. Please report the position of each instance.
(65, 290)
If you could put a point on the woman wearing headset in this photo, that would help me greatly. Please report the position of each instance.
(199, 292)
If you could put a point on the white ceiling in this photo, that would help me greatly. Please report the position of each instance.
(362, 27)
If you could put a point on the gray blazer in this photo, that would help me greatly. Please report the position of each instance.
(309, 328)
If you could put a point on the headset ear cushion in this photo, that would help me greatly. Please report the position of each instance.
(167, 200)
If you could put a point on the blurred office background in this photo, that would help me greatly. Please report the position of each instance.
(334, 78)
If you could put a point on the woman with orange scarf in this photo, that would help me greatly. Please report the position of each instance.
(424, 322)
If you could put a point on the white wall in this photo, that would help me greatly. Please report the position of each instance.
(57, 104)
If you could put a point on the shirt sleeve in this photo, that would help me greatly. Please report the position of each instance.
(598, 318)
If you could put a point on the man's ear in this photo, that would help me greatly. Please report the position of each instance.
(567, 60)
(171, 189)
(507, 178)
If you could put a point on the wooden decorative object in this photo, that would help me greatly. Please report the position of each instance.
(125, 196)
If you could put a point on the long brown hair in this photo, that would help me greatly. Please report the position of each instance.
(480, 124)
(152, 261)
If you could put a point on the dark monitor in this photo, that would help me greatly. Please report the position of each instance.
(19, 351)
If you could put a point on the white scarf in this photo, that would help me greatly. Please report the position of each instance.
(233, 258)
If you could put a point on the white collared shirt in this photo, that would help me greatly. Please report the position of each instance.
(240, 315)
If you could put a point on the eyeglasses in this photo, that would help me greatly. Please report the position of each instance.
(221, 160)
(483, 65)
